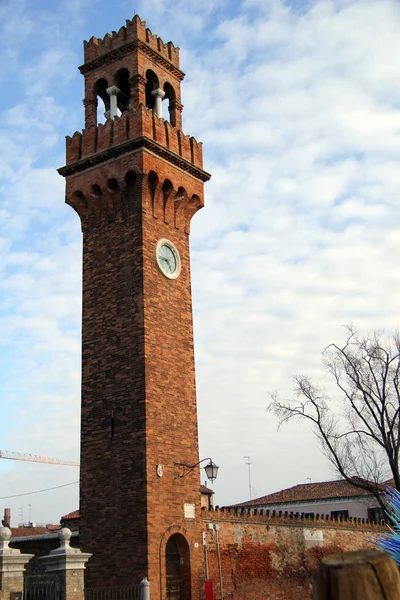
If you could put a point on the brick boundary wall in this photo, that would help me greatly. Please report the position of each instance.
(272, 555)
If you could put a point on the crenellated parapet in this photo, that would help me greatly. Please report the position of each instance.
(134, 33)
(270, 517)
(135, 128)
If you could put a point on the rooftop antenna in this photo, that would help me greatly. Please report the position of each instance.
(248, 463)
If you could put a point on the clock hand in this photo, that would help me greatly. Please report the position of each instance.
(165, 260)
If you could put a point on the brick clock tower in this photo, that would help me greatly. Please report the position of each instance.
(135, 182)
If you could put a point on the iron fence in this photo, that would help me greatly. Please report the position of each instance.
(40, 585)
(117, 592)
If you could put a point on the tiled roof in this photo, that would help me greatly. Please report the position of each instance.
(72, 515)
(324, 490)
(53, 528)
(205, 490)
(28, 531)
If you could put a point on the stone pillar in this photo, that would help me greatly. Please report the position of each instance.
(113, 92)
(12, 566)
(70, 564)
(158, 94)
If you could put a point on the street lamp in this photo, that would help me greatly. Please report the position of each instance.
(211, 469)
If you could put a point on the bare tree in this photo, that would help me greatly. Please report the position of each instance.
(360, 435)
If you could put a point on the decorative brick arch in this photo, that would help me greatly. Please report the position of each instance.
(184, 540)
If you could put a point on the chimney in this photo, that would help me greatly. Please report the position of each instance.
(7, 517)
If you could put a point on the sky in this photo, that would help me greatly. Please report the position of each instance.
(297, 104)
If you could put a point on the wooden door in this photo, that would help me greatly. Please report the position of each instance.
(173, 566)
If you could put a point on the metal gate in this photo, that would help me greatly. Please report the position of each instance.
(41, 585)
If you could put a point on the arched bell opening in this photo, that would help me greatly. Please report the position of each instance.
(177, 563)
(124, 94)
(151, 85)
(170, 99)
(103, 105)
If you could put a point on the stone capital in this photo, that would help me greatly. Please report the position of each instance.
(113, 90)
(158, 93)
(65, 558)
(12, 562)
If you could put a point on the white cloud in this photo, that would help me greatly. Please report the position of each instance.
(310, 150)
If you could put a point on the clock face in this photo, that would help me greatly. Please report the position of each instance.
(168, 259)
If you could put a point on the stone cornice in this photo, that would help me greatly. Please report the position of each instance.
(140, 142)
(127, 49)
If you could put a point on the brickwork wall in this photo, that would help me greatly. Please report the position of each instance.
(274, 557)
(113, 419)
(74, 587)
(11, 583)
(170, 378)
(138, 383)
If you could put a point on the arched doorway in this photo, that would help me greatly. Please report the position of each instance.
(177, 562)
